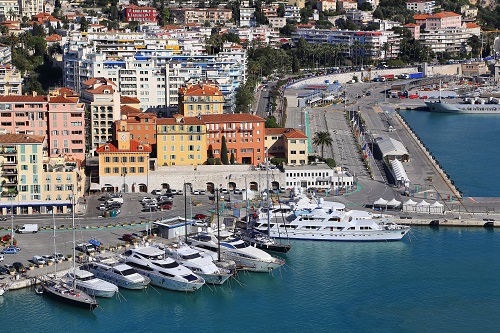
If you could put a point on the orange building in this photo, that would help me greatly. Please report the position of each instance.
(198, 99)
(141, 125)
(244, 135)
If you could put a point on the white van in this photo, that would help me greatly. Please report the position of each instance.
(111, 200)
(33, 228)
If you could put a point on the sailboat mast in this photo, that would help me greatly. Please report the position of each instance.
(55, 251)
(74, 236)
(268, 195)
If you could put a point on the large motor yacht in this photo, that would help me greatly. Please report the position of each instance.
(123, 275)
(164, 272)
(86, 281)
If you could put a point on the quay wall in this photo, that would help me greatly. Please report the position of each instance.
(449, 222)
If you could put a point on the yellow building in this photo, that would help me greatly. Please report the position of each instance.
(32, 183)
(124, 164)
(288, 143)
(181, 141)
(198, 99)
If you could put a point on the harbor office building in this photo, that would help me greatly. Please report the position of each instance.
(318, 177)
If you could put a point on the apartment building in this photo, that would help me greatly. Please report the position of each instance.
(288, 143)
(181, 141)
(124, 165)
(247, 17)
(292, 12)
(374, 39)
(328, 5)
(421, 6)
(141, 14)
(244, 135)
(414, 29)
(141, 125)
(31, 182)
(442, 20)
(10, 80)
(345, 5)
(199, 99)
(9, 10)
(451, 40)
(150, 69)
(102, 101)
(59, 119)
(215, 16)
(30, 8)
(359, 17)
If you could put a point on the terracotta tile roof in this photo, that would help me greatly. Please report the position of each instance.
(472, 25)
(53, 38)
(411, 25)
(134, 148)
(101, 80)
(289, 133)
(21, 138)
(233, 117)
(60, 100)
(443, 15)
(21, 98)
(421, 16)
(139, 7)
(128, 110)
(200, 90)
(101, 89)
(129, 100)
(184, 121)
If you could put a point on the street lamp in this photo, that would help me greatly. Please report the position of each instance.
(11, 219)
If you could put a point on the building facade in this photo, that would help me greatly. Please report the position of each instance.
(10, 81)
(318, 176)
(244, 135)
(214, 16)
(288, 143)
(181, 141)
(421, 6)
(199, 99)
(123, 165)
(141, 14)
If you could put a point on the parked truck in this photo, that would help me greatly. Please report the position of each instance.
(387, 77)
(33, 228)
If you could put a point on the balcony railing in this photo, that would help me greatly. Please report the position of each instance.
(9, 194)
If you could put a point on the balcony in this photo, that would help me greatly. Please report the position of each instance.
(8, 151)
(9, 194)
(9, 182)
(9, 163)
(8, 172)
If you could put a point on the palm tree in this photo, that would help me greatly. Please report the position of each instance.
(322, 139)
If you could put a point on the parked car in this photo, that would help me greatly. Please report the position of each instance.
(202, 192)
(38, 260)
(200, 216)
(4, 269)
(48, 258)
(282, 189)
(128, 238)
(11, 250)
(59, 256)
(1, 257)
(180, 192)
(172, 191)
(237, 191)
(195, 192)
(149, 208)
(86, 248)
(19, 267)
(6, 238)
(165, 207)
(224, 190)
(144, 199)
(103, 206)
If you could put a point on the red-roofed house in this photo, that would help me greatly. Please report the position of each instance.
(288, 143)
(102, 100)
(199, 99)
(414, 29)
(244, 135)
(443, 20)
(140, 14)
(141, 125)
(123, 165)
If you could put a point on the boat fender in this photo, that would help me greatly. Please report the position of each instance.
(77, 295)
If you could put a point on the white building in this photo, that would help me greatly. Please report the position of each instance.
(29, 8)
(421, 6)
(247, 18)
(318, 176)
(451, 40)
(292, 13)
(9, 10)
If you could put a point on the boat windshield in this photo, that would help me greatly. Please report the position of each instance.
(190, 277)
(191, 256)
(127, 272)
(172, 264)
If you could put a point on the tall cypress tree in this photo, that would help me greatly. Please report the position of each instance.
(223, 151)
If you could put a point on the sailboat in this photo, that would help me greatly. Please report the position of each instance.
(62, 291)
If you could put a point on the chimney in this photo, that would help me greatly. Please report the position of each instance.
(34, 93)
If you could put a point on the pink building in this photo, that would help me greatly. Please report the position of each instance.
(414, 29)
(443, 20)
(59, 119)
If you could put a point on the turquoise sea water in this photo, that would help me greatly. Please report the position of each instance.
(465, 145)
(444, 280)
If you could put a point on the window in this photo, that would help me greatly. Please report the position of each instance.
(140, 159)
(293, 152)
(107, 170)
(115, 159)
(132, 169)
(190, 148)
(116, 170)
(124, 159)
(172, 157)
(132, 159)
(107, 159)
(141, 169)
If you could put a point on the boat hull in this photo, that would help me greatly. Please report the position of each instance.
(121, 282)
(279, 248)
(253, 265)
(97, 292)
(170, 284)
(442, 107)
(214, 278)
(78, 300)
(345, 236)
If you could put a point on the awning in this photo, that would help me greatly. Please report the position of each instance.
(95, 187)
(393, 203)
(380, 202)
(57, 203)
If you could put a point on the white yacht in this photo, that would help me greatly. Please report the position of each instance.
(86, 281)
(318, 224)
(117, 273)
(164, 272)
(276, 211)
(246, 257)
(199, 262)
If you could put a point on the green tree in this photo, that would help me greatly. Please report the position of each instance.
(271, 122)
(84, 24)
(232, 159)
(322, 139)
(475, 44)
(223, 151)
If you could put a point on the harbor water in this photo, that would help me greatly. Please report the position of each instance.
(464, 145)
(443, 280)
